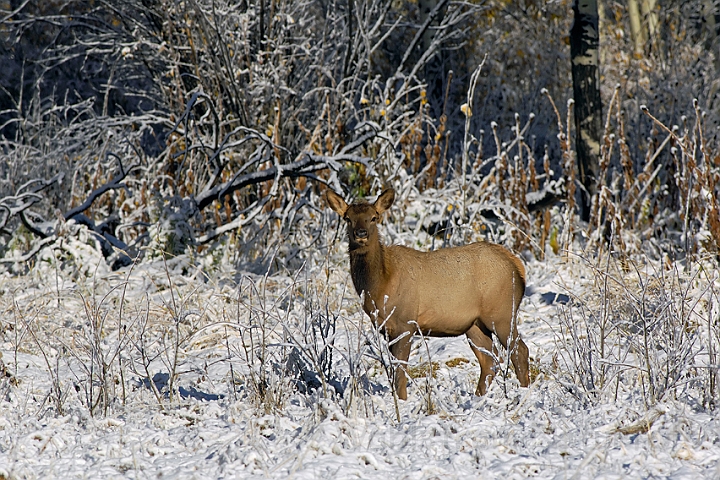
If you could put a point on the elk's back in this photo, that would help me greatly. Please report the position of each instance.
(447, 290)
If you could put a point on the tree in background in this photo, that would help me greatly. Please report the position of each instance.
(643, 23)
(584, 52)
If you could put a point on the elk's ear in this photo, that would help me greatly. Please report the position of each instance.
(336, 202)
(385, 200)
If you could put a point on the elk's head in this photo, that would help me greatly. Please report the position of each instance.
(361, 217)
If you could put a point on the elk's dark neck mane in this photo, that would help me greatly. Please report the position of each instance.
(367, 267)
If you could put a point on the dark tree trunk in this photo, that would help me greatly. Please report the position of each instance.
(584, 46)
(711, 28)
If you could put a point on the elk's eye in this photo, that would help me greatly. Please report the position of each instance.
(373, 219)
(346, 219)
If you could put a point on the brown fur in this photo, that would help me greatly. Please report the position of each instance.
(474, 290)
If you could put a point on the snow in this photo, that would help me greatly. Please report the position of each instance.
(201, 333)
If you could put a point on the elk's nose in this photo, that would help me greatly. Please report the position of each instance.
(361, 233)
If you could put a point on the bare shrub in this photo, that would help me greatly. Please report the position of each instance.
(644, 328)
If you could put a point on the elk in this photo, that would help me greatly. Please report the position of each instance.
(473, 289)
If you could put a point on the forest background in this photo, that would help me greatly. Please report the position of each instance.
(173, 124)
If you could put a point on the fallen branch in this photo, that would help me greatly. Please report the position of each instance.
(24, 258)
(644, 424)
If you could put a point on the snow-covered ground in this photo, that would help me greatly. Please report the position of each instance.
(236, 391)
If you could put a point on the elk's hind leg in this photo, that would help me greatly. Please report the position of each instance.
(479, 339)
(519, 354)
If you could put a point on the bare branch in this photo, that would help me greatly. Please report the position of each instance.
(95, 194)
(420, 33)
(24, 258)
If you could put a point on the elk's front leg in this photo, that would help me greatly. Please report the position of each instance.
(400, 349)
